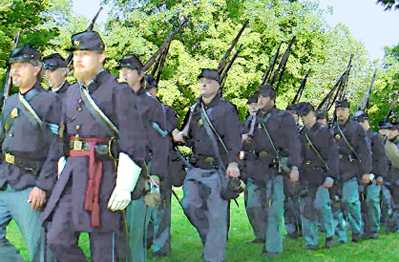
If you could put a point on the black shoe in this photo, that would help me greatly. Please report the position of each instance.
(160, 254)
(256, 241)
(329, 242)
(312, 248)
(293, 235)
(270, 254)
(356, 238)
(372, 235)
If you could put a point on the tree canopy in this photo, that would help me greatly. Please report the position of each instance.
(140, 26)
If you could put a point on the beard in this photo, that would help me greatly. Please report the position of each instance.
(83, 74)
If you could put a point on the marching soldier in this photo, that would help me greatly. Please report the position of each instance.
(156, 152)
(322, 118)
(370, 195)
(158, 235)
(292, 212)
(391, 133)
(100, 123)
(56, 71)
(254, 194)
(29, 128)
(212, 130)
(354, 165)
(319, 171)
(277, 147)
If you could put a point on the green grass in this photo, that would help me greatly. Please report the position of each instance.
(186, 245)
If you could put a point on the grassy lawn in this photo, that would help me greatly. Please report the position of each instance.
(186, 245)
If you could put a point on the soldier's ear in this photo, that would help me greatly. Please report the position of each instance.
(102, 57)
(37, 68)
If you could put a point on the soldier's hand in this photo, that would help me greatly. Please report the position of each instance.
(294, 174)
(366, 179)
(244, 137)
(233, 170)
(37, 198)
(328, 183)
(380, 180)
(178, 136)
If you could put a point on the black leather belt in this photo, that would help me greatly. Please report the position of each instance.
(204, 162)
(31, 167)
(103, 151)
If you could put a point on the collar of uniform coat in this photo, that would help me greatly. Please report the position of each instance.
(33, 91)
(264, 112)
(214, 101)
(101, 76)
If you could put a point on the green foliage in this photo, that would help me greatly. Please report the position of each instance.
(386, 92)
(141, 26)
(28, 18)
(214, 23)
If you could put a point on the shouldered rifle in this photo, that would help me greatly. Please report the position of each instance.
(281, 67)
(223, 62)
(344, 83)
(270, 68)
(337, 91)
(365, 101)
(8, 80)
(89, 28)
(223, 76)
(299, 93)
(164, 45)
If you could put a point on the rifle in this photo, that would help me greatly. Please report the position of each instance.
(344, 83)
(8, 80)
(223, 62)
(283, 64)
(223, 76)
(337, 90)
(270, 68)
(89, 28)
(365, 101)
(299, 93)
(164, 45)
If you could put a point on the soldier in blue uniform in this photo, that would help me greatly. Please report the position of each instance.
(29, 128)
(390, 131)
(156, 152)
(212, 130)
(355, 164)
(255, 181)
(100, 123)
(56, 71)
(277, 148)
(318, 173)
(371, 188)
(160, 222)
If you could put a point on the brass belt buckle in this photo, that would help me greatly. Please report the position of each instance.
(10, 158)
(209, 160)
(77, 145)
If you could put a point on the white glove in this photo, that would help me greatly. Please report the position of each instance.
(61, 165)
(127, 176)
